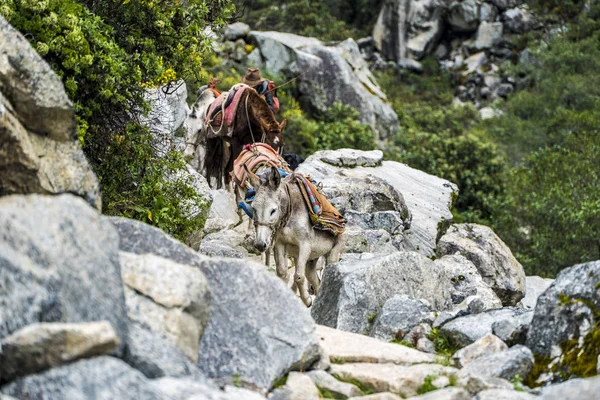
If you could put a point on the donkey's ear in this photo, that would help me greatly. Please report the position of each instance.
(254, 180)
(274, 178)
(283, 124)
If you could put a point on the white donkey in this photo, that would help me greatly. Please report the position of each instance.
(195, 138)
(281, 218)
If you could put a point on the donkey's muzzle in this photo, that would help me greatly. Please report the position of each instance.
(260, 246)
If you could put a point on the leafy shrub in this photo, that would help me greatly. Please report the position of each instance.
(107, 52)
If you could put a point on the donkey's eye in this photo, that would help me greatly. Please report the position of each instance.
(273, 211)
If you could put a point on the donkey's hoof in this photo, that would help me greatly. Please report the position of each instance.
(308, 302)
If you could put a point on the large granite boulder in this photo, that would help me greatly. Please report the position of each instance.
(167, 298)
(59, 262)
(493, 259)
(568, 312)
(333, 74)
(353, 291)
(398, 316)
(463, 15)
(408, 28)
(97, 378)
(39, 150)
(258, 330)
(423, 201)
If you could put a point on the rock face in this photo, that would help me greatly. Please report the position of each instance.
(96, 378)
(41, 346)
(535, 286)
(465, 330)
(566, 310)
(349, 301)
(169, 110)
(170, 299)
(44, 274)
(335, 74)
(517, 360)
(428, 199)
(39, 151)
(223, 212)
(491, 256)
(586, 389)
(258, 340)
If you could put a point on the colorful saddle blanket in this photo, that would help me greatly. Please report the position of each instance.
(253, 156)
(223, 110)
(323, 215)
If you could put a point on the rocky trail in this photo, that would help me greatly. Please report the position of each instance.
(98, 307)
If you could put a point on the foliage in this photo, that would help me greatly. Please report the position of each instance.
(303, 17)
(339, 127)
(443, 346)
(107, 52)
(437, 137)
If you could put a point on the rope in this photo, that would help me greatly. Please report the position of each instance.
(248, 120)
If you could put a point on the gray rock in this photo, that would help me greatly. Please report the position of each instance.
(474, 63)
(476, 384)
(226, 243)
(513, 331)
(584, 389)
(503, 394)
(467, 329)
(297, 387)
(410, 65)
(488, 34)
(398, 316)
(517, 360)
(390, 29)
(445, 394)
(41, 346)
(169, 110)
(426, 345)
(167, 298)
(427, 198)
(200, 388)
(65, 269)
(258, 340)
(323, 380)
(350, 158)
(563, 311)
(505, 4)
(505, 89)
(223, 212)
(463, 16)
(335, 74)
(101, 378)
(352, 292)
(491, 256)
(487, 12)
(518, 20)
(487, 345)
(236, 31)
(155, 356)
(426, 41)
(467, 282)
(34, 90)
(535, 286)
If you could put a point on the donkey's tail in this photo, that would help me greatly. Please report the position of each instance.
(214, 162)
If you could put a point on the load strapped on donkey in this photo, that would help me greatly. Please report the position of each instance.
(259, 158)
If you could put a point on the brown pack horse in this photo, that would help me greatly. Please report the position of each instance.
(254, 122)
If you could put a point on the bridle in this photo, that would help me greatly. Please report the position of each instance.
(286, 215)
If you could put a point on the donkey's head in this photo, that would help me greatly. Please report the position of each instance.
(267, 206)
(274, 137)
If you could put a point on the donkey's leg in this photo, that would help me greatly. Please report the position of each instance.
(334, 254)
(300, 274)
(311, 275)
(281, 261)
(268, 256)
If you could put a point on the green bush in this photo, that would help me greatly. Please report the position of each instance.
(550, 216)
(107, 52)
